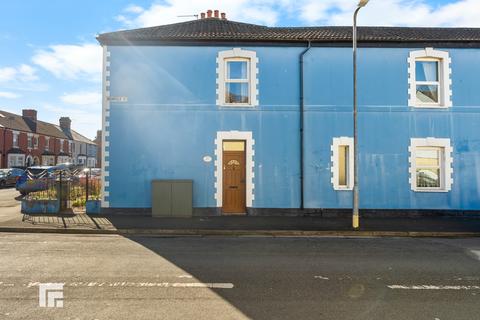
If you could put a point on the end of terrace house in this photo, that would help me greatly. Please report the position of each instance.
(260, 118)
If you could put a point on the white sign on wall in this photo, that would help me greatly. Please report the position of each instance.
(118, 99)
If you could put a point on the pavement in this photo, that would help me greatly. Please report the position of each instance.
(118, 277)
(12, 220)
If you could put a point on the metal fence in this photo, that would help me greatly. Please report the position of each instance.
(72, 188)
(83, 186)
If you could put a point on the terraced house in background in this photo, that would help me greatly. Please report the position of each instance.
(260, 118)
(26, 141)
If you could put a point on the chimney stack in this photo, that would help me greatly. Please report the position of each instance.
(202, 15)
(65, 123)
(215, 14)
(30, 114)
(209, 13)
(224, 16)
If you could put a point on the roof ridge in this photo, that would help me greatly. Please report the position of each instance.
(81, 135)
(184, 23)
(58, 131)
(211, 29)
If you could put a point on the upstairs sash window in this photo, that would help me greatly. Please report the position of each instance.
(237, 78)
(429, 79)
(427, 82)
(237, 81)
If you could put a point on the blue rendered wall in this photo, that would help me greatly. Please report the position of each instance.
(386, 124)
(170, 122)
(171, 119)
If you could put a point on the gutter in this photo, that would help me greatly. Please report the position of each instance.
(302, 107)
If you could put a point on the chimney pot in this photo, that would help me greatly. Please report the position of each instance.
(224, 16)
(209, 13)
(30, 114)
(215, 13)
(202, 15)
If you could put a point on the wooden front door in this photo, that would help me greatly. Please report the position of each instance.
(234, 195)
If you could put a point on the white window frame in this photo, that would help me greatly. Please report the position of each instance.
(237, 54)
(13, 160)
(63, 159)
(47, 144)
(61, 145)
(29, 141)
(446, 169)
(48, 160)
(35, 141)
(335, 168)
(444, 78)
(15, 138)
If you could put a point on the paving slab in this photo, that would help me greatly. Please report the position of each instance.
(11, 219)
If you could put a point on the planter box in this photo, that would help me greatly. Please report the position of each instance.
(40, 206)
(93, 206)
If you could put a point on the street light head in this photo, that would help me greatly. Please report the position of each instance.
(362, 3)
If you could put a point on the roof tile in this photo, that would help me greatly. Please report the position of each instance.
(224, 30)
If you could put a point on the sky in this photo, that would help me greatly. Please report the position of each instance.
(51, 61)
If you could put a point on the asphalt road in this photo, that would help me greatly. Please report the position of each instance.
(113, 277)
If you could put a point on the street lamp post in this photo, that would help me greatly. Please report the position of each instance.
(355, 217)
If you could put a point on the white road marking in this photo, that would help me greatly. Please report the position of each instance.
(213, 285)
(185, 276)
(433, 287)
(476, 253)
(321, 277)
(3, 284)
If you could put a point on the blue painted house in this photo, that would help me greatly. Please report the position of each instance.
(260, 118)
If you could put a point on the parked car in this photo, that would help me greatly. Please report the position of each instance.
(39, 178)
(9, 177)
(94, 174)
(34, 179)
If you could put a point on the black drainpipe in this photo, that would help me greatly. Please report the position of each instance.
(302, 105)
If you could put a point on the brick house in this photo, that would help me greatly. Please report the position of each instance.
(27, 141)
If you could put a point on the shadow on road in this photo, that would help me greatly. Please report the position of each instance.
(272, 278)
(300, 278)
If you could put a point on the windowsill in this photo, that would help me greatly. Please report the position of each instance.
(430, 106)
(343, 188)
(431, 190)
(237, 105)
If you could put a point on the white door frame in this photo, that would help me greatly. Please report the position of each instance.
(249, 163)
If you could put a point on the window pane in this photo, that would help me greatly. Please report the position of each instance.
(237, 70)
(428, 157)
(428, 178)
(234, 145)
(427, 93)
(236, 92)
(426, 70)
(342, 165)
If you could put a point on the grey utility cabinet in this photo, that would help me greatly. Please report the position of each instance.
(172, 198)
